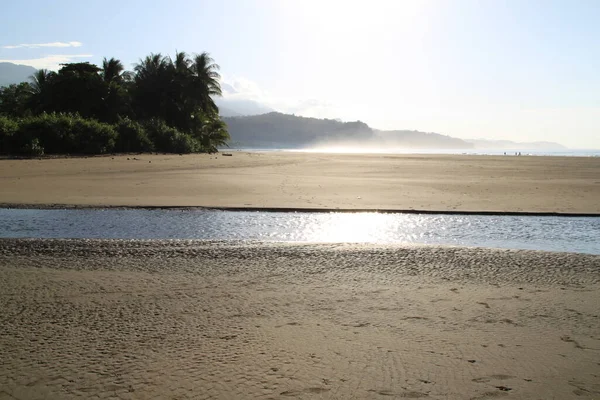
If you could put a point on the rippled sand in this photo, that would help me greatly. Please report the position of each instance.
(315, 181)
(191, 319)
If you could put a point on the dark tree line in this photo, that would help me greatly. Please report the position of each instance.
(164, 104)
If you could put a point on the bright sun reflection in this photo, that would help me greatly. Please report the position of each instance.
(362, 227)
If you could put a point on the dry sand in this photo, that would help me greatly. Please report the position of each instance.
(190, 319)
(301, 180)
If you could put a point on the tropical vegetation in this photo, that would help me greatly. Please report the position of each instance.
(165, 104)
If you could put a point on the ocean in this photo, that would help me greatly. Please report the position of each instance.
(493, 152)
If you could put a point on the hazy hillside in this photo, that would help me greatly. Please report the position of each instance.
(14, 73)
(416, 139)
(228, 112)
(276, 130)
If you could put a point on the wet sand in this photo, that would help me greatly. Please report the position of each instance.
(191, 319)
(315, 181)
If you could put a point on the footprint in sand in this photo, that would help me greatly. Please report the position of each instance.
(312, 390)
(489, 395)
(502, 389)
(485, 379)
(404, 395)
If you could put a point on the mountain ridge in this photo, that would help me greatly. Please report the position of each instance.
(14, 73)
(279, 130)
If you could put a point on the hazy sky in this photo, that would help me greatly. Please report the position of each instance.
(521, 70)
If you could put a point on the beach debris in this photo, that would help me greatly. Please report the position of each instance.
(227, 154)
(471, 361)
(503, 388)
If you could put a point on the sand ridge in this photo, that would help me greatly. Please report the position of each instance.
(309, 180)
(192, 319)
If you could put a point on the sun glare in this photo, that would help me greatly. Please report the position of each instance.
(353, 228)
(341, 150)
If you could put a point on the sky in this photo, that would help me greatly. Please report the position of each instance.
(522, 70)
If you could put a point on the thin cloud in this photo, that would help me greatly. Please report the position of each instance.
(240, 89)
(38, 45)
(51, 62)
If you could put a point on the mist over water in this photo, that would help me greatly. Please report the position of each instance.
(362, 149)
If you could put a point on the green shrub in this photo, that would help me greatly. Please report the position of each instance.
(63, 134)
(93, 137)
(184, 144)
(132, 137)
(53, 131)
(57, 133)
(8, 127)
(33, 148)
(170, 140)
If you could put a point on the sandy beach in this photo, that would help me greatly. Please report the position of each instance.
(229, 320)
(190, 319)
(305, 180)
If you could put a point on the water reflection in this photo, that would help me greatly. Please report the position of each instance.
(538, 233)
(364, 227)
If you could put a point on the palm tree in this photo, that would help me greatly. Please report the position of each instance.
(206, 81)
(116, 98)
(181, 107)
(40, 80)
(153, 76)
(182, 63)
(179, 92)
(213, 133)
(41, 84)
(153, 66)
(112, 70)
